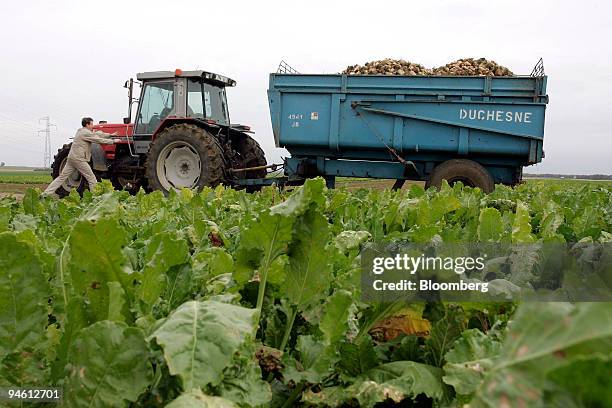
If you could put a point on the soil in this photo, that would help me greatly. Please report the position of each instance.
(374, 184)
(17, 190)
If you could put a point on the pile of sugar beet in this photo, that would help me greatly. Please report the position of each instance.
(461, 67)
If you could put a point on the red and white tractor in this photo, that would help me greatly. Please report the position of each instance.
(181, 137)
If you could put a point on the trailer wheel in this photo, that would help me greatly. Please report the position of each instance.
(184, 156)
(468, 172)
(75, 181)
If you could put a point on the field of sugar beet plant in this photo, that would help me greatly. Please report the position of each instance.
(223, 298)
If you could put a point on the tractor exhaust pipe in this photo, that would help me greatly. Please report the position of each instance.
(129, 84)
(130, 87)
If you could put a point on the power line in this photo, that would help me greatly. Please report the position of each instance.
(6, 118)
(18, 140)
(47, 135)
(13, 128)
(27, 110)
(17, 146)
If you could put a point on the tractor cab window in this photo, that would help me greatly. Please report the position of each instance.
(156, 104)
(207, 101)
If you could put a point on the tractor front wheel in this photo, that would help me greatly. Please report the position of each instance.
(184, 156)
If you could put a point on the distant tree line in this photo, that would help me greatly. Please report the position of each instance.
(571, 176)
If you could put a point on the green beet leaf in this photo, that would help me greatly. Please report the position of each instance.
(31, 202)
(162, 251)
(108, 366)
(24, 293)
(521, 227)
(334, 323)
(525, 261)
(468, 361)
(313, 364)
(261, 243)
(210, 262)
(196, 399)
(180, 286)
(358, 357)
(490, 225)
(5, 218)
(309, 273)
(444, 332)
(551, 221)
(543, 337)
(24, 368)
(96, 258)
(116, 302)
(308, 196)
(348, 240)
(268, 237)
(393, 382)
(586, 382)
(199, 340)
(76, 318)
(242, 381)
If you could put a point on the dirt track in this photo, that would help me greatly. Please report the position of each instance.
(373, 184)
(17, 190)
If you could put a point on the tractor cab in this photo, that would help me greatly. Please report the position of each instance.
(180, 94)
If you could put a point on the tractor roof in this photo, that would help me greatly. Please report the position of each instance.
(186, 74)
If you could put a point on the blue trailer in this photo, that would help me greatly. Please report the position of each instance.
(477, 130)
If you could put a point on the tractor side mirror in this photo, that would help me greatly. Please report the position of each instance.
(126, 121)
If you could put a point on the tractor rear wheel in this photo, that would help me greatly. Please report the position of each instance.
(468, 172)
(184, 156)
(124, 183)
(75, 181)
(251, 155)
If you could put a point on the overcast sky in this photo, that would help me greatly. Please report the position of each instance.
(69, 59)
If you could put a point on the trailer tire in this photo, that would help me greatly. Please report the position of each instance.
(468, 172)
(184, 155)
(74, 182)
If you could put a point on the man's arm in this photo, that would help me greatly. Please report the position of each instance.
(98, 137)
(104, 134)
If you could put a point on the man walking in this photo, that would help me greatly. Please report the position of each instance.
(79, 156)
